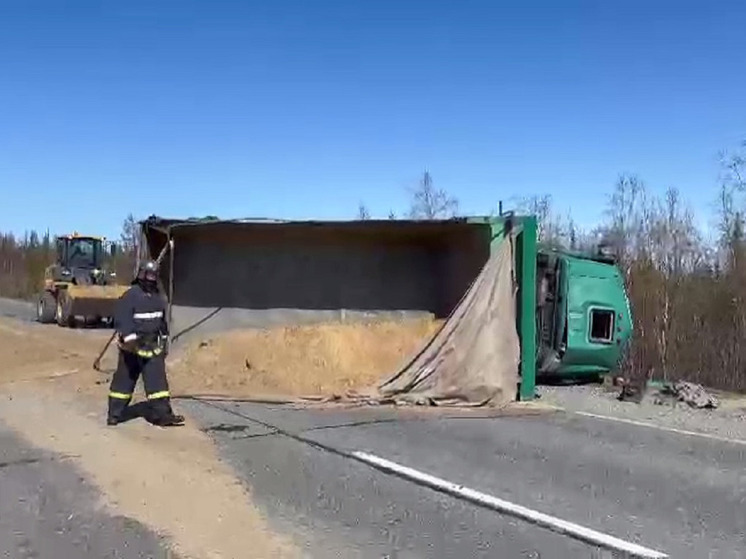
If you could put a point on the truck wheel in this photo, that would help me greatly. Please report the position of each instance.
(62, 315)
(46, 308)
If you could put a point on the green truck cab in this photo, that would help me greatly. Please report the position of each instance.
(583, 315)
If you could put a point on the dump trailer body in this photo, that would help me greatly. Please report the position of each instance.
(263, 273)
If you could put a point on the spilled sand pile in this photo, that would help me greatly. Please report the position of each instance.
(304, 360)
(307, 360)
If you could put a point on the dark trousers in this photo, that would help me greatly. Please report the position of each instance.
(129, 369)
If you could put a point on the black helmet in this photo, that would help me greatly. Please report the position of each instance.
(147, 274)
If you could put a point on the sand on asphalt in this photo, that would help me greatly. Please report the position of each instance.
(171, 480)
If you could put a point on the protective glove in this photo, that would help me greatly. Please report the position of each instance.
(127, 343)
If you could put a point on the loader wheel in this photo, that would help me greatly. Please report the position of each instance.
(63, 316)
(46, 308)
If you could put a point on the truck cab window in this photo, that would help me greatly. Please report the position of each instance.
(602, 326)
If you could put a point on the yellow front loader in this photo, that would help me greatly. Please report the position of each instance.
(79, 286)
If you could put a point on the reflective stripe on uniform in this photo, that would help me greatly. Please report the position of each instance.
(147, 315)
(147, 353)
(120, 395)
(156, 395)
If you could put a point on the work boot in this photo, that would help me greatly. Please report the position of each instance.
(170, 420)
(112, 421)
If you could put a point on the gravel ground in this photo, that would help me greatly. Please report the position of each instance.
(728, 420)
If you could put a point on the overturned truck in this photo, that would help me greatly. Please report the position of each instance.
(511, 311)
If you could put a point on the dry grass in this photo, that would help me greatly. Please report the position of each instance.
(321, 359)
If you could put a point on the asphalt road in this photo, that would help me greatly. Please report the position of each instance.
(683, 496)
(48, 510)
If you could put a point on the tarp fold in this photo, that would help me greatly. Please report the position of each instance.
(474, 359)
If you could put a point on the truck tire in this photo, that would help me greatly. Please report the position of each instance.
(46, 308)
(62, 315)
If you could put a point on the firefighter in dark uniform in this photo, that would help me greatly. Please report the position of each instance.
(142, 331)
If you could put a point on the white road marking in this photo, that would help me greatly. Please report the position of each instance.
(535, 517)
(660, 427)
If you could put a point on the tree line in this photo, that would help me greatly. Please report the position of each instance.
(687, 288)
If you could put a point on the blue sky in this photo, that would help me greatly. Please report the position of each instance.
(303, 109)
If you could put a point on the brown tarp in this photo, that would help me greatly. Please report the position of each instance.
(474, 359)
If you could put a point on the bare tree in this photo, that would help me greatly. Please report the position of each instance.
(734, 168)
(676, 248)
(429, 202)
(362, 212)
(553, 231)
(129, 240)
(130, 235)
(731, 205)
(631, 214)
(573, 234)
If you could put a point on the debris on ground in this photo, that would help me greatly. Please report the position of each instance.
(669, 393)
(688, 392)
(632, 390)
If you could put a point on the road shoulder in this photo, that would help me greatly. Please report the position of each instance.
(154, 476)
(48, 509)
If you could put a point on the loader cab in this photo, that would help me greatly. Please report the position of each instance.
(79, 252)
(584, 321)
(79, 256)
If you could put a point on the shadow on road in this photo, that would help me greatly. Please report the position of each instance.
(138, 410)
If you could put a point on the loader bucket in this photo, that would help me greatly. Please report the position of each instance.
(94, 300)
